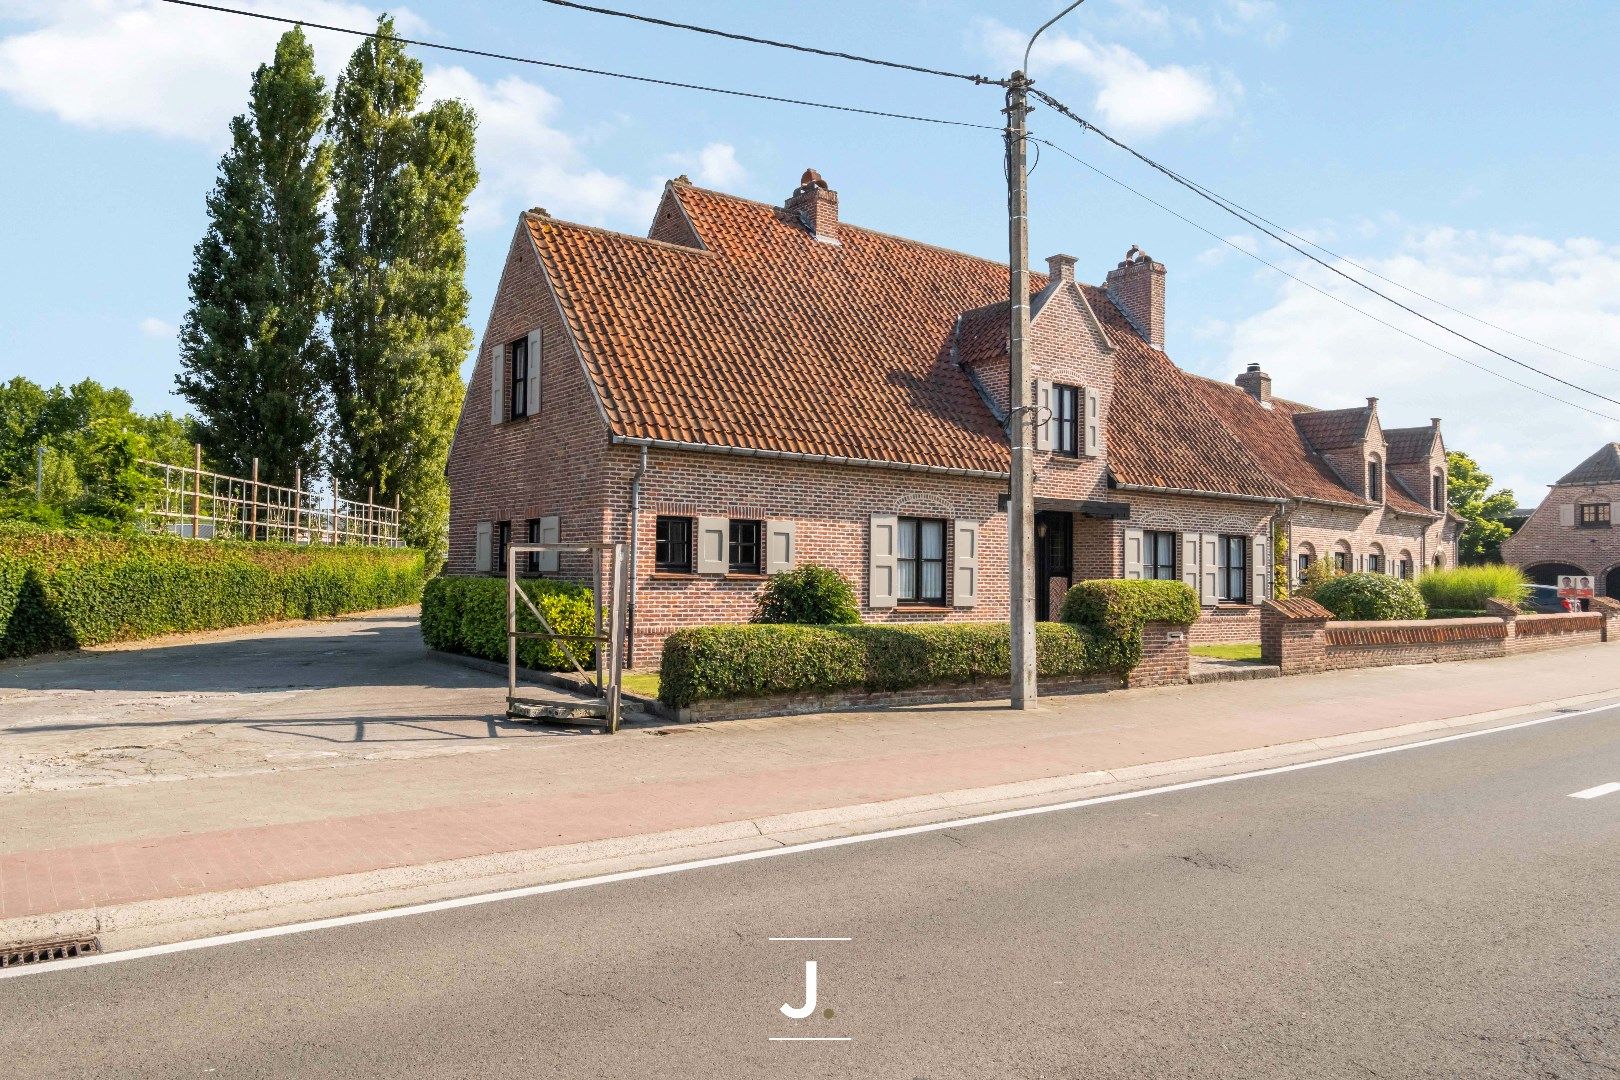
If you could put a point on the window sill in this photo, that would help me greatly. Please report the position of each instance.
(923, 609)
(673, 575)
(738, 575)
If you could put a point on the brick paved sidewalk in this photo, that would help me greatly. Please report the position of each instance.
(73, 850)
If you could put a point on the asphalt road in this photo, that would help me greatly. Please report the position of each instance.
(1447, 911)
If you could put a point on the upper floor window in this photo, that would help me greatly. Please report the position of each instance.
(1375, 480)
(520, 378)
(1437, 500)
(747, 547)
(1066, 420)
(1234, 568)
(919, 551)
(672, 552)
(1159, 556)
(1593, 516)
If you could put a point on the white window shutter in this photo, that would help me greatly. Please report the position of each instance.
(1209, 569)
(550, 533)
(533, 387)
(1566, 516)
(882, 570)
(1191, 559)
(1614, 514)
(781, 546)
(713, 545)
(1043, 414)
(497, 383)
(1133, 555)
(1093, 423)
(481, 559)
(1260, 567)
(966, 584)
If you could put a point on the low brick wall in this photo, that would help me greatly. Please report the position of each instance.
(1165, 660)
(1301, 636)
(1230, 625)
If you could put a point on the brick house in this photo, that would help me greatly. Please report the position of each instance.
(1572, 532)
(751, 387)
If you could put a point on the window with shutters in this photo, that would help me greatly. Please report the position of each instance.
(1593, 516)
(673, 548)
(1159, 556)
(1341, 562)
(1234, 569)
(519, 402)
(1375, 562)
(1406, 567)
(503, 540)
(746, 551)
(531, 561)
(920, 562)
(1066, 420)
(1304, 563)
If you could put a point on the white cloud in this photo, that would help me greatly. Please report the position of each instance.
(156, 328)
(137, 65)
(1252, 18)
(1132, 96)
(715, 166)
(1565, 293)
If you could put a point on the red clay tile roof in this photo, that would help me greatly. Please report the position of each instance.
(982, 334)
(1602, 467)
(1409, 444)
(771, 340)
(1272, 437)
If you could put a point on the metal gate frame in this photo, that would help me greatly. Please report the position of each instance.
(609, 611)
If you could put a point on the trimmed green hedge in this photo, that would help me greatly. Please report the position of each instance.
(1370, 596)
(719, 662)
(1121, 607)
(467, 615)
(65, 589)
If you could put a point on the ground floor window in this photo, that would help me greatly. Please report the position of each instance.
(503, 540)
(747, 547)
(920, 559)
(531, 561)
(1406, 568)
(672, 551)
(1375, 563)
(1159, 556)
(1341, 561)
(1304, 563)
(1234, 568)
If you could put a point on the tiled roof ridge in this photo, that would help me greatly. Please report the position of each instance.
(539, 220)
(842, 224)
(1602, 466)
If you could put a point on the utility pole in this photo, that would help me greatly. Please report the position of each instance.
(1021, 481)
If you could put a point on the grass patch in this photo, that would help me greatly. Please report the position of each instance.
(1242, 650)
(642, 683)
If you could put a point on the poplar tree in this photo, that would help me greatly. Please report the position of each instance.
(399, 330)
(251, 346)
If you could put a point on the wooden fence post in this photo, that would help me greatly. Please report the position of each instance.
(196, 494)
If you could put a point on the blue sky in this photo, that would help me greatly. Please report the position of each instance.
(1466, 149)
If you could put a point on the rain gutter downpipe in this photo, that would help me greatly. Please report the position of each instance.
(635, 546)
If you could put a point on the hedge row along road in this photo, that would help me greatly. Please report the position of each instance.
(65, 590)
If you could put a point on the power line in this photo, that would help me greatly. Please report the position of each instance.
(488, 55)
(1251, 222)
(1318, 289)
(980, 80)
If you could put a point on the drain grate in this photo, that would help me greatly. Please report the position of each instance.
(43, 952)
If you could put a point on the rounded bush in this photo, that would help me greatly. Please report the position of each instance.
(812, 595)
(1370, 596)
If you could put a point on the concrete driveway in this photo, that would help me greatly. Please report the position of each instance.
(310, 695)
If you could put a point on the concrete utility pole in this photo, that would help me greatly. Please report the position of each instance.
(1021, 496)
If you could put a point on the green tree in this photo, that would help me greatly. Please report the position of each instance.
(1468, 492)
(401, 179)
(251, 346)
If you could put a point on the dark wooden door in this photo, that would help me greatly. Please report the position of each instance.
(1054, 559)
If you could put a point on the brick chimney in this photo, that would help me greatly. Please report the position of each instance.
(1060, 267)
(816, 206)
(1257, 383)
(1136, 286)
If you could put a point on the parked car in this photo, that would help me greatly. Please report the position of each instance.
(1544, 600)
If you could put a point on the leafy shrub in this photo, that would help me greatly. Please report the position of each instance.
(809, 596)
(1123, 606)
(63, 590)
(467, 615)
(1468, 587)
(721, 662)
(1319, 573)
(1370, 596)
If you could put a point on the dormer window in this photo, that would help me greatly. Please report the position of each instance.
(1066, 420)
(1437, 500)
(1375, 480)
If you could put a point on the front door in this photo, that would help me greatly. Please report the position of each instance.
(1054, 555)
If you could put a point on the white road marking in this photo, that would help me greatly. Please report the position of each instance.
(752, 856)
(1594, 792)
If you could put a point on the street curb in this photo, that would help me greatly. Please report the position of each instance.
(164, 920)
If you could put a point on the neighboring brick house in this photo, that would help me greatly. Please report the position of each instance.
(1572, 531)
(752, 387)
